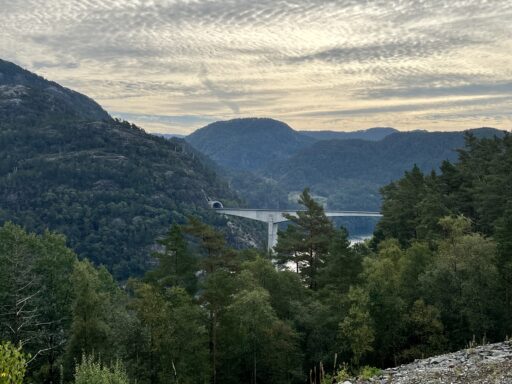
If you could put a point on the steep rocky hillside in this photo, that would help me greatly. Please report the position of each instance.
(110, 187)
(28, 98)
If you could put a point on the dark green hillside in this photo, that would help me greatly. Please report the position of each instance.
(248, 144)
(350, 172)
(107, 185)
(268, 163)
(435, 278)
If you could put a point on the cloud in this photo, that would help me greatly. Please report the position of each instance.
(410, 107)
(283, 59)
(166, 123)
(180, 119)
(219, 93)
(402, 50)
(491, 88)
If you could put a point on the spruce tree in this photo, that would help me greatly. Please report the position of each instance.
(307, 238)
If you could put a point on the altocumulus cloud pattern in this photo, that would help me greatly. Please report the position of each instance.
(177, 65)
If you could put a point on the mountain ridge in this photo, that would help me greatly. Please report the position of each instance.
(346, 173)
(373, 134)
(225, 142)
(27, 97)
(361, 167)
(106, 184)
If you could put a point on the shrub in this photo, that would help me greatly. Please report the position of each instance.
(91, 371)
(368, 372)
(343, 373)
(12, 364)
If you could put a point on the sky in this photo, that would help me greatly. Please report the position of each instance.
(173, 66)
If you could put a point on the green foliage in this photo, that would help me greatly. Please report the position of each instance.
(400, 213)
(35, 295)
(92, 371)
(286, 290)
(342, 265)
(266, 345)
(478, 187)
(456, 231)
(435, 276)
(465, 265)
(342, 374)
(19, 284)
(109, 187)
(425, 332)
(170, 340)
(176, 264)
(356, 329)
(12, 364)
(381, 278)
(368, 372)
(306, 240)
(97, 314)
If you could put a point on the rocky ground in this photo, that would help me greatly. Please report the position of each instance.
(487, 364)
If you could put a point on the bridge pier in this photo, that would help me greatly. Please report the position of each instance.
(274, 217)
(271, 235)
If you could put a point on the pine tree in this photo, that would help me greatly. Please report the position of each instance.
(307, 238)
(400, 207)
(218, 263)
(176, 264)
(343, 265)
(90, 329)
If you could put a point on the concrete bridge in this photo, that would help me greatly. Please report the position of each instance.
(274, 217)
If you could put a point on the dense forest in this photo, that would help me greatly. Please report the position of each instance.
(107, 185)
(435, 278)
(269, 163)
(248, 144)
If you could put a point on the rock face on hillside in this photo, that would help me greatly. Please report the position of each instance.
(487, 364)
(107, 185)
(28, 98)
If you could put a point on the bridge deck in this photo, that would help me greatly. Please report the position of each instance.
(277, 216)
(273, 217)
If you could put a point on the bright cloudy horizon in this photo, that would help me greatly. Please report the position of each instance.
(174, 66)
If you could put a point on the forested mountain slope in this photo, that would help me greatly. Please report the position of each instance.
(269, 163)
(380, 161)
(349, 173)
(434, 279)
(248, 144)
(110, 187)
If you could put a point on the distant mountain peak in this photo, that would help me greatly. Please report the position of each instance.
(248, 143)
(255, 124)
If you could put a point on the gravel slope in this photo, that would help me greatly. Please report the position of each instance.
(487, 364)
